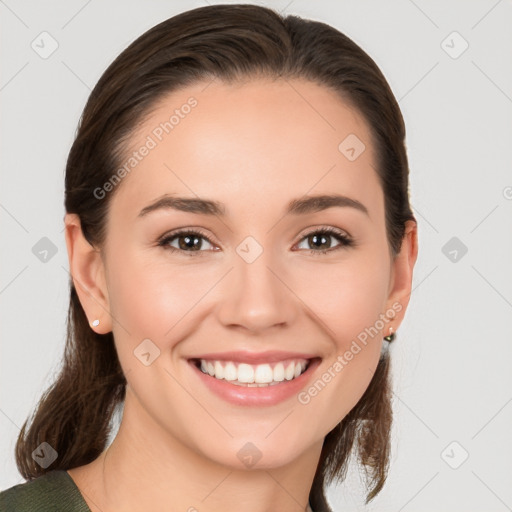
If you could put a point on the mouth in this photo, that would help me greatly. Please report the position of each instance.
(254, 375)
(249, 379)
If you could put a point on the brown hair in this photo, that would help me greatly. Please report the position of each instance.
(228, 42)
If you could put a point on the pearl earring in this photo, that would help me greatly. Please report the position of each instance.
(95, 323)
(391, 336)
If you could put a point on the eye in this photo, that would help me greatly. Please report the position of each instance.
(188, 242)
(320, 239)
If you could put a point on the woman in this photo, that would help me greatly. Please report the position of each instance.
(241, 249)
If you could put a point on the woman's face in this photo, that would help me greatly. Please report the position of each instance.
(254, 282)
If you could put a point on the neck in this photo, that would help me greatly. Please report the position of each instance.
(148, 468)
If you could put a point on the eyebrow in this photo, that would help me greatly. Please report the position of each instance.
(301, 206)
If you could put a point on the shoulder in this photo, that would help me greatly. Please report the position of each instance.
(53, 491)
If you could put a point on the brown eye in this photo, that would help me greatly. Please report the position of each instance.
(189, 242)
(193, 242)
(321, 241)
(186, 242)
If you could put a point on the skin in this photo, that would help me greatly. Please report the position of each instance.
(254, 147)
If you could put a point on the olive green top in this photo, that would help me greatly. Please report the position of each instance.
(54, 491)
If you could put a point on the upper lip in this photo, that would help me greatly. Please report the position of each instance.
(270, 356)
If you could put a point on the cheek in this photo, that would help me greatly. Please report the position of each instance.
(154, 297)
(142, 298)
(158, 300)
(348, 296)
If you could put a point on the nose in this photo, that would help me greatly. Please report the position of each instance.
(256, 297)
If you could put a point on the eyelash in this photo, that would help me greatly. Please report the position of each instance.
(345, 241)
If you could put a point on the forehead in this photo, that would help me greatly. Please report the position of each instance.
(250, 144)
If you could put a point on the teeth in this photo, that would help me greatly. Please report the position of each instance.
(264, 374)
(219, 371)
(260, 375)
(289, 372)
(245, 373)
(230, 372)
(279, 372)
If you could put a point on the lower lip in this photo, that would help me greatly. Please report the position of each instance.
(255, 396)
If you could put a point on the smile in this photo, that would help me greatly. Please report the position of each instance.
(253, 375)
(258, 380)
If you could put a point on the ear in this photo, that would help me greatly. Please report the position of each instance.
(401, 274)
(88, 274)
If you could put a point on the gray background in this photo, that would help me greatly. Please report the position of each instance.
(452, 359)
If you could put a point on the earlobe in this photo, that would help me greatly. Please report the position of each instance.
(88, 274)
